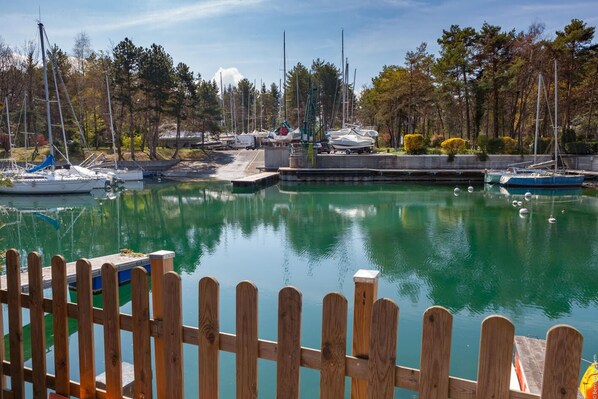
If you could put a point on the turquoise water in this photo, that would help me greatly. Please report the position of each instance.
(470, 252)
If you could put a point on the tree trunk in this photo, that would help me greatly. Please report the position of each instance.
(468, 123)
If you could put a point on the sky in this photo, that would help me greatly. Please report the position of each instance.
(244, 38)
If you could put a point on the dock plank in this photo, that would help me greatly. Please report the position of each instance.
(256, 180)
(120, 261)
(529, 363)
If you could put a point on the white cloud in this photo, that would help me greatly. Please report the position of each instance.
(230, 76)
(176, 15)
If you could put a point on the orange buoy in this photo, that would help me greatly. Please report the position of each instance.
(589, 382)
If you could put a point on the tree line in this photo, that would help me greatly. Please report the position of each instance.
(485, 82)
(482, 83)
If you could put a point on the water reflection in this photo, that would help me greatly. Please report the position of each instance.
(472, 252)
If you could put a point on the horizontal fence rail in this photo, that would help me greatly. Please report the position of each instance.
(371, 366)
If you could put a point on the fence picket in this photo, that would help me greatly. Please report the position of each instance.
(209, 337)
(160, 263)
(435, 353)
(365, 294)
(562, 363)
(2, 350)
(334, 346)
(38, 330)
(15, 323)
(112, 350)
(142, 354)
(60, 325)
(87, 368)
(289, 344)
(247, 340)
(173, 337)
(383, 349)
(496, 354)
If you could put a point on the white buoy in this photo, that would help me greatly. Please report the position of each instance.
(551, 219)
(457, 191)
(523, 211)
(527, 196)
(519, 203)
(470, 189)
(514, 202)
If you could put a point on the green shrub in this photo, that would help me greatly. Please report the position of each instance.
(568, 136)
(74, 147)
(436, 140)
(483, 142)
(594, 145)
(578, 147)
(454, 146)
(126, 141)
(510, 145)
(543, 144)
(496, 146)
(414, 144)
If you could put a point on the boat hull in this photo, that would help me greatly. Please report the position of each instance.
(532, 180)
(56, 185)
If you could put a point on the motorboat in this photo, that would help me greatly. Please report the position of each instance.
(352, 143)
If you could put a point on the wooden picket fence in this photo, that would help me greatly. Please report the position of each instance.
(371, 366)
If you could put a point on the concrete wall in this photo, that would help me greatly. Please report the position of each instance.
(276, 157)
(387, 161)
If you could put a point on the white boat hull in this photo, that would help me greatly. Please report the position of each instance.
(50, 184)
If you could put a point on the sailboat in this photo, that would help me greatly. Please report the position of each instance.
(493, 176)
(95, 164)
(546, 178)
(47, 178)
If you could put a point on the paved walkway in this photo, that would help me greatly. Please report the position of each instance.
(220, 165)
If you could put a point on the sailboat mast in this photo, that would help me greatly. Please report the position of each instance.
(49, 119)
(8, 128)
(284, 72)
(111, 123)
(556, 96)
(343, 89)
(222, 94)
(26, 131)
(537, 117)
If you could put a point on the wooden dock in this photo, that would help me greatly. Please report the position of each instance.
(257, 180)
(123, 262)
(529, 363)
(381, 175)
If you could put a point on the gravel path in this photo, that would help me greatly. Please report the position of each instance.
(219, 165)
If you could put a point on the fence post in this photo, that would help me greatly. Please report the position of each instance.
(366, 293)
(161, 262)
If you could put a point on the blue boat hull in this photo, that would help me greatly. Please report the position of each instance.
(542, 180)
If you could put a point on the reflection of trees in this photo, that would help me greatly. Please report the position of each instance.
(471, 252)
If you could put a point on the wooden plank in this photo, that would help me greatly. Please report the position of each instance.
(496, 353)
(562, 363)
(383, 350)
(435, 356)
(365, 294)
(38, 330)
(289, 344)
(142, 353)
(87, 368)
(121, 261)
(161, 262)
(334, 345)
(60, 325)
(173, 337)
(246, 345)
(15, 323)
(209, 337)
(112, 350)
